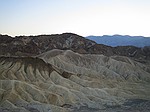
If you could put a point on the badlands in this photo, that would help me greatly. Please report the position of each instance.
(68, 80)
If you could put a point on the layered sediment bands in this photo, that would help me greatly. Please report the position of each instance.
(62, 81)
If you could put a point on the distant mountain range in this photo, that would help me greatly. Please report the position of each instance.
(121, 40)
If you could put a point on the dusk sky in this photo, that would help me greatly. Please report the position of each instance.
(83, 17)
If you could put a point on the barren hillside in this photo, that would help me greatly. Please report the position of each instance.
(62, 80)
(68, 73)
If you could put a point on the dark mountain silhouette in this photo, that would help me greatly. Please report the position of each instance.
(34, 45)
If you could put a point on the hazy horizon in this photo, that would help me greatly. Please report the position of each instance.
(85, 18)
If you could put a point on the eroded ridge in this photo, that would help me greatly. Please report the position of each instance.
(68, 81)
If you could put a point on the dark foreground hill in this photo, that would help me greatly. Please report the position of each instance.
(34, 45)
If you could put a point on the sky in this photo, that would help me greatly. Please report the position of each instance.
(83, 17)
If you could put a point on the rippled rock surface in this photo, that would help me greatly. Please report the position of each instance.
(62, 80)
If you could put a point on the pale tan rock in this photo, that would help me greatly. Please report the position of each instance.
(61, 81)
